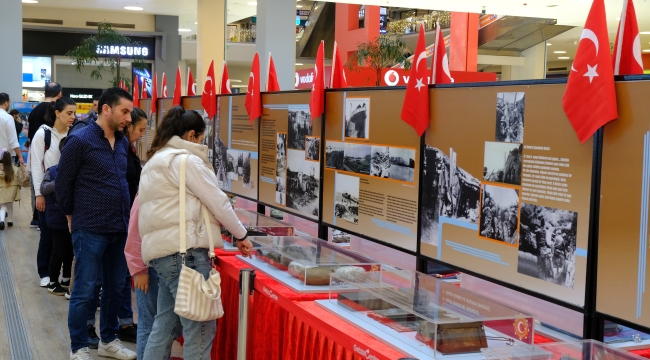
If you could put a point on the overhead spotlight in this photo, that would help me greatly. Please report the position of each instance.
(30, 1)
(184, 30)
(563, 57)
(483, 11)
(134, 8)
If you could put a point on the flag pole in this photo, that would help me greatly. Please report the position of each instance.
(268, 71)
(435, 54)
(619, 37)
(333, 66)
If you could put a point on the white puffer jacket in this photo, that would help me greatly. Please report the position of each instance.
(159, 201)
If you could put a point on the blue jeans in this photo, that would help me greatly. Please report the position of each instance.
(198, 336)
(44, 247)
(147, 305)
(125, 316)
(96, 252)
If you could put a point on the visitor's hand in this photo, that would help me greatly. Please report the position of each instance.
(245, 247)
(69, 217)
(142, 282)
(40, 203)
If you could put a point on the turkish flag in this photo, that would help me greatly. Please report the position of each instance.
(136, 93)
(272, 83)
(317, 99)
(253, 99)
(209, 96)
(440, 70)
(191, 91)
(415, 109)
(176, 101)
(143, 95)
(337, 78)
(164, 86)
(627, 48)
(590, 97)
(225, 81)
(154, 94)
(120, 84)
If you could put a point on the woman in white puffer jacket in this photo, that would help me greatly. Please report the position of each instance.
(181, 133)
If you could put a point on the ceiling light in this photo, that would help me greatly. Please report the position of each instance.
(645, 32)
(299, 64)
(563, 57)
(185, 30)
(235, 80)
(559, 52)
(196, 22)
(548, 44)
(30, 1)
(646, 50)
(252, 3)
(134, 8)
(299, 6)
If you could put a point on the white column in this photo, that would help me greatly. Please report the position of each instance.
(11, 60)
(211, 40)
(276, 33)
(534, 66)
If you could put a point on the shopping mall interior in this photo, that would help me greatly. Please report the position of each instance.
(483, 217)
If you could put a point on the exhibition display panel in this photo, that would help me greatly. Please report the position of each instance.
(573, 350)
(424, 316)
(506, 188)
(372, 167)
(290, 154)
(194, 103)
(304, 263)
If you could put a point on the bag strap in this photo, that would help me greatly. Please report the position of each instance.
(181, 199)
(206, 218)
(47, 139)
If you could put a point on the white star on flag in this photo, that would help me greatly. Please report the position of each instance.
(419, 84)
(591, 72)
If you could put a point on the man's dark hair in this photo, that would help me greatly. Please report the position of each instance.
(95, 98)
(52, 89)
(14, 112)
(4, 97)
(112, 97)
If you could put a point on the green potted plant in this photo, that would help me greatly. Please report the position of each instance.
(382, 52)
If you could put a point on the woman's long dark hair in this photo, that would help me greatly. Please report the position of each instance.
(177, 122)
(137, 115)
(60, 104)
(8, 168)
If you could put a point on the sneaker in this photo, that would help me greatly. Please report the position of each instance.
(45, 281)
(65, 283)
(10, 223)
(93, 339)
(67, 294)
(33, 224)
(56, 289)
(2, 225)
(116, 350)
(128, 334)
(81, 354)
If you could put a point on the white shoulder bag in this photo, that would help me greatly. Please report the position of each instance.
(196, 298)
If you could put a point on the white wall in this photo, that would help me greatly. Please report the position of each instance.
(77, 18)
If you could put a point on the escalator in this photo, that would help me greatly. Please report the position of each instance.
(320, 26)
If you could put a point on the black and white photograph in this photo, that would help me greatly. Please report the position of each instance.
(312, 148)
(499, 213)
(299, 127)
(510, 117)
(232, 167)
(280, 191)
(402, 164)
(281, 155)
(548, 244)
(357, 117)
(502, 162)
(246, 169)
(357, 158)
(379, 161)
(346, 198)
(220, 156)
(334, 155)
(303, 177)
(448, 191)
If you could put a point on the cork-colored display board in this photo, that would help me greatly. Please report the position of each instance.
(164, 104)
(145, 141)
(372, 167)
(506, 188)
(290, 153)
(236, 144)
(625, 185)
(194, 103)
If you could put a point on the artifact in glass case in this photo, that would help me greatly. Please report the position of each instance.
(455, 338)
(257, 225)
(563, 350)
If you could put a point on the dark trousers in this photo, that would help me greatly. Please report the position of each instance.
(44, 247)
(62, 254)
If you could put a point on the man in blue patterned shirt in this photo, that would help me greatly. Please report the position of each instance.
(92, 191)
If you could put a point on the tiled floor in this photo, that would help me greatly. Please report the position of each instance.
(45, 316)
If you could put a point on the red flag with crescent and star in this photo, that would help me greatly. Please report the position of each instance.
(253, 99)
(272, 83)
(143, 95)
(176, 101)
(317, 98)
(337, 79)
(627, 48)
(225, 81)
(136, 92)
(191, 87)
(440, 70)
(415, 109)
(164, 86)
(590, 97)
(209, 96)
(154, 94)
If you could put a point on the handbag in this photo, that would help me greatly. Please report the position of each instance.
(197, 299)
(23, 176)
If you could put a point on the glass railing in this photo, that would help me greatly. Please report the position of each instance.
(411, 25)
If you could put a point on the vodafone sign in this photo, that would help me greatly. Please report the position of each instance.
(396, 77)
(400, 77)
(304, 79)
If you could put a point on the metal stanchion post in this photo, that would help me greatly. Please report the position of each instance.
(246, 286)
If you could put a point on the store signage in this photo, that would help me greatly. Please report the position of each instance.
(122, 50)
(364, 353)
(81, 96)
(270, 294)
(304, 79)
(395, 77)
(302, 12)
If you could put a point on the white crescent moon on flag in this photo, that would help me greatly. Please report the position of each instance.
(252, 76)
(445, 67)
(316, 68)
(588, 34)
(636, 49)
(228, 84)
(209, 78)
(422, 55)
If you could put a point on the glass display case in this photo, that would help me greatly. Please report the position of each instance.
(258, 225)
(305, 263)
(426, 317)
(570, 350)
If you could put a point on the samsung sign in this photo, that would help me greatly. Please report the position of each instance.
(123, 50)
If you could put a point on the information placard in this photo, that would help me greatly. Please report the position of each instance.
(506, 188)
(290, 154)
(371, 176)
(236, 144)
(624, 203)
